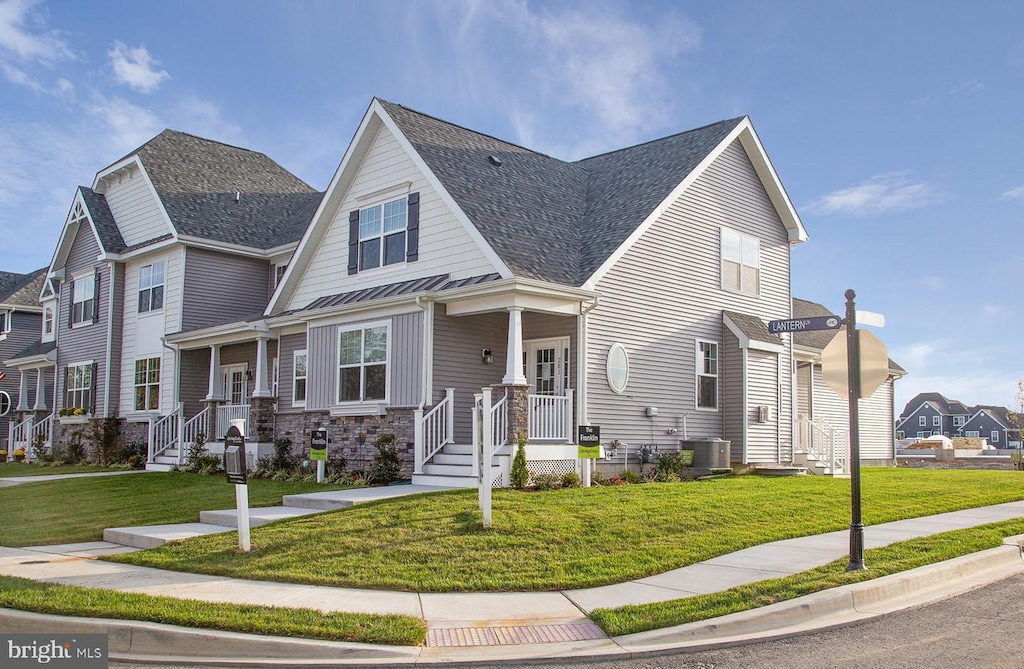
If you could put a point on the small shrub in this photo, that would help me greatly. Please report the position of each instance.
(670, 463)
(283, 458)
(520, 475)
(571, 480)
(546, 481)
(387, 464)
(335, 468)
(74, 452)
(629, 476)
(666, 477)
(105, 435)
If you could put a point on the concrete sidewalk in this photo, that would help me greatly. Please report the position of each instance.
(525, 624)
(18, 480)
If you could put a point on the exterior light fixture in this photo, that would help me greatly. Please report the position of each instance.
(487, 356)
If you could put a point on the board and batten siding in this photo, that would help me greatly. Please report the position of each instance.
(194, 380)
(877, 436)
(142, 336)
(405, 361)
(665, 293)
(135, 207)
(444, 245)
(86, 342)
(222, 288)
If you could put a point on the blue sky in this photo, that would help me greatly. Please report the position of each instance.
(895, 127)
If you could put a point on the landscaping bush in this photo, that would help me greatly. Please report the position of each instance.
(198, 461)
(105, 436)
(630, 476)
(520, 475)
(571, 480)
(283, 458)
(670, 464)
(546, 481)
(387, 464)
(74, 452)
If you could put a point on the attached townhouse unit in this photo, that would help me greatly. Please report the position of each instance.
(823, 417)
(929, 414)
(21, 319)
(445, 281)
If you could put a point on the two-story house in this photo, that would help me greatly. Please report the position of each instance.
(21, 318)
(181, 233)
(628, 290)
(928, 414)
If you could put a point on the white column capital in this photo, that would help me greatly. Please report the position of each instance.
(262, 385)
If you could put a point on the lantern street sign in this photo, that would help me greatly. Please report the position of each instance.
(805, 324)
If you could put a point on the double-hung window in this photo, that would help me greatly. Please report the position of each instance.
(299, 375)
(922, 421)
(972, 434)
(707, 375)
(78, 393)
(5, 322)
(363, 363)
(958, 421)
(48, 322)
(741, 262)
(147, 384)
(994, 437)
(83, 300)
(936, 421)
(151, 287)
(382, 231)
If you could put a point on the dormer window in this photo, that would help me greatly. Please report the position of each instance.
(5, 322)
(48, 321)
(382, 234)
(151, 287)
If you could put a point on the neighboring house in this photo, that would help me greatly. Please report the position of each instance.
(629, 290)
(181, 233)
(21, 318)
(928, 414)
(823, 416)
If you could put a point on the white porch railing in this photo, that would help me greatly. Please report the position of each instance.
(434, 430)
(41, 433)
(498, 413)
(824, 443)
(550, 417)
(163, 434)
(18, 436)
(229, 412)
(191, 429)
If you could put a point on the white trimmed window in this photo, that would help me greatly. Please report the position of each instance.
(5, 403)
(920, 435)
(147, 384)
(275, 377)
(617, 368)
(707, 375)
(922, 421)
(48, 322)
(83, 300)
(151, 287)
(958, 421)
(299, 376)
(279, 271)
(994, 437)
(972, 434)
(5, 322)
(78, 390)
(382, 231)
(363, 363)
(741, 262)
(936, 421)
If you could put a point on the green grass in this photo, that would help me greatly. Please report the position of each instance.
(79, 509)
(568, 538)
(69, 600)
(12, 469)
(890, 559)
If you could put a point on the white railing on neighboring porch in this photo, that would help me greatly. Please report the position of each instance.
(191, 429)
(41, 433)
(163, 434)
(229, 412)
(18, 436)
(550, 417)
(435, 429)
(824, 443)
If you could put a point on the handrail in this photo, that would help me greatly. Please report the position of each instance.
(19, 436)
(499, 423)
(228, 412)
(824, 443)
(163, 433)
(191, 429)
(43, 428)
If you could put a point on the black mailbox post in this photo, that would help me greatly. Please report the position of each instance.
(234, 456)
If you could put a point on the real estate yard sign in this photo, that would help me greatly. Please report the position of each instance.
(589, 442)
(318, 445)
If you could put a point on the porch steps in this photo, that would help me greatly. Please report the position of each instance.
(163, 462)
(453, 467)
(816, 466)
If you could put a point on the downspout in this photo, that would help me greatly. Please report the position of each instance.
(110, 338)
(582, 350)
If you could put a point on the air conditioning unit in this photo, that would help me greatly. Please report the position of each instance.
(764, 413)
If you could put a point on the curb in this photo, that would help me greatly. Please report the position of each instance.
(141, 642)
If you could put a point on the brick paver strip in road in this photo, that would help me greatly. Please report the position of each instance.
(505, 636)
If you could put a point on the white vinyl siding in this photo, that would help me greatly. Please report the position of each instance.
(135, 208)
(444, 245)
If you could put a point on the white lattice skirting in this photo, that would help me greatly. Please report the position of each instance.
(557, 467)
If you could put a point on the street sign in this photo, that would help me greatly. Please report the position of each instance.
(874, 364)
(805, 324)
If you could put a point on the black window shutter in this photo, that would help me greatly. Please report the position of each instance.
(92, 392)
(413, 236)
(67, 402)
(353, 241)
(71, 304)
(96, 298)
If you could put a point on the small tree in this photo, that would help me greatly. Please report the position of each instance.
(520, 474)
(387, 464)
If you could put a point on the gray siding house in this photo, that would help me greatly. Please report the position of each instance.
(21, 393)
(445, 270)
(928, 414)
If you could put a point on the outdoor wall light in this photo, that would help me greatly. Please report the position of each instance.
(248, 374)
(487, 356)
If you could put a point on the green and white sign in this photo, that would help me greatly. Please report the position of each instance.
(318, 445)
(589, 442)
(687, 457)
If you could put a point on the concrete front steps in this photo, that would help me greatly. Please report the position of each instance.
(816, 466)
(453, 467)
(226, 520)
(163, 462)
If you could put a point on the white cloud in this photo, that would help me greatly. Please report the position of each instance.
(135, 67)
(124, 125)
(878, 195)
(973, 374)
(19, 39)
(203, 118)
(1015, 193)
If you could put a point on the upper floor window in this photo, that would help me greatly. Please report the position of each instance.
(707, 375)
(83, 300)
(936, 420)
(279, 271)
(363, 364)
(382, 230)
(151, 287)
(958, 421)
(741, 262)
(5, 322)
(922, 421)
(299, 375)
(48, 321)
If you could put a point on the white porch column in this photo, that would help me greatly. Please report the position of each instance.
(40, 404)
(262, 386)
(214, 390)
(23, 393)
(515, 374)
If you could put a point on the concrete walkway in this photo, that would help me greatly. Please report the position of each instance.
(18, 480)
(494, 619)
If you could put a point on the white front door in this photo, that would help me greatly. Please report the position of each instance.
(547, 365)
(236, 384)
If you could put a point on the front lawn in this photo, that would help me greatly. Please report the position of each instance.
(13, 469)
(79, 509)
(569, 538)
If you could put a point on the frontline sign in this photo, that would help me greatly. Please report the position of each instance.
(805, 324)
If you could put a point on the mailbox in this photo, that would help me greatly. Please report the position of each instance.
(234, 456)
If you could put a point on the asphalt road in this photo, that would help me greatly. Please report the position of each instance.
(983, 628)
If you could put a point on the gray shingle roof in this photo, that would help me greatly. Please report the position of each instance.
(32, 350)
(106, 228)
(546, 218)
(753, 327)
(197, 180)
(22, 289)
